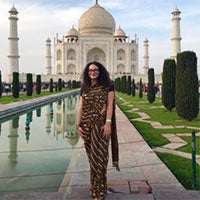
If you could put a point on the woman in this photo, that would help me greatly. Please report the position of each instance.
(95, 123)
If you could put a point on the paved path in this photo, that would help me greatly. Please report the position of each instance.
(142, 177)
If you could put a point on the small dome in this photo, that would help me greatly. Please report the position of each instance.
(72, 138)
(72, 33)
(48, 40)
(96, 20)
(13, 10)
(119, 33)
(176, 11)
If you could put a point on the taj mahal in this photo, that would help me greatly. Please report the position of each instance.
(97, 38)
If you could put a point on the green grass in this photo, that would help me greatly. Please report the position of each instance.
(139, 102)
(23, 97)
(180, 167)
(152, 136)
(166, 117)
(188, 148)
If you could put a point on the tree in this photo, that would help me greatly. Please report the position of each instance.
(117, 84)
(51, 85)
(1, 87)
(15, 85)
(151, 86)
(123, 88)
(168, 84)
(29, 88)
(38, 84)
(187, 94)
(128, 86)
(69, 84)
(74, 84)
(140, 89)
(59, 84)
(55, 86)
(133, 87)
(120, 84)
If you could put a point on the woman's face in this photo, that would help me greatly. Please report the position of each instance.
(93, 72)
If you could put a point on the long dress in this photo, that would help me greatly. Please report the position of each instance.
(96, 145)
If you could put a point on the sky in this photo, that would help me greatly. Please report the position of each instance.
(40, 19)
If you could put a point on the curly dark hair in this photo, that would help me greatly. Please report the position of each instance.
(103, 78)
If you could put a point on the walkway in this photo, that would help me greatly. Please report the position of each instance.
(175, 139)
(142, 177)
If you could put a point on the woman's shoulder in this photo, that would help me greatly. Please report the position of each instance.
(111, 87)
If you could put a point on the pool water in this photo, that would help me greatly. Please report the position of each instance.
(36, 147)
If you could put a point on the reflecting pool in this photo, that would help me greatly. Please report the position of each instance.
(36, 147)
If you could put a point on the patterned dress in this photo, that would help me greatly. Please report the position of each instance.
(96, 145)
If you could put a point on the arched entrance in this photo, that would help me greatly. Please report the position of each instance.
(96, 54)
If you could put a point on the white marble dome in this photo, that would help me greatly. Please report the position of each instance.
(72, 33)
(96, 20)
(119, 33)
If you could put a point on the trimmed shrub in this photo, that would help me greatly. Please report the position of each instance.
(1, 86)
(140, 89)
(69, 84)
(38, 84)
(59, 84)
(123, 88)
(51, 85)
(133, 87)
(151, 86)
(168, 84)
(187, 94)
(29, 87)
(117, 84)
(15, 85)
(128, 86)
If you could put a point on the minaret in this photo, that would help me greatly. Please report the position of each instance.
(176, 37)
(48, 122)
(48, 56)
(146, 56)
(13, 137)
(13, 56)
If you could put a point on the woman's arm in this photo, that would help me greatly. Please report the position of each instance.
(109, 111)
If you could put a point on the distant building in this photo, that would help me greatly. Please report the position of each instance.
(176, 33)
(13, 56)
(96, 39)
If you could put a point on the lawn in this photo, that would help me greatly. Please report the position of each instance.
(180, 167)
(23, 96)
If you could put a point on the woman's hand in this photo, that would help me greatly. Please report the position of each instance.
(106, 130)
(81, 132)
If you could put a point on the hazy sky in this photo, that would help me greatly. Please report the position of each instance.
(151, 19)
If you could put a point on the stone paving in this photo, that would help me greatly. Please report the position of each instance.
(142, 172)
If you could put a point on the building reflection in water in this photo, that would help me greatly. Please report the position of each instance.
(63, 113)
(48, 122)
(45, 138)
(38, 112)
(13, 137)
